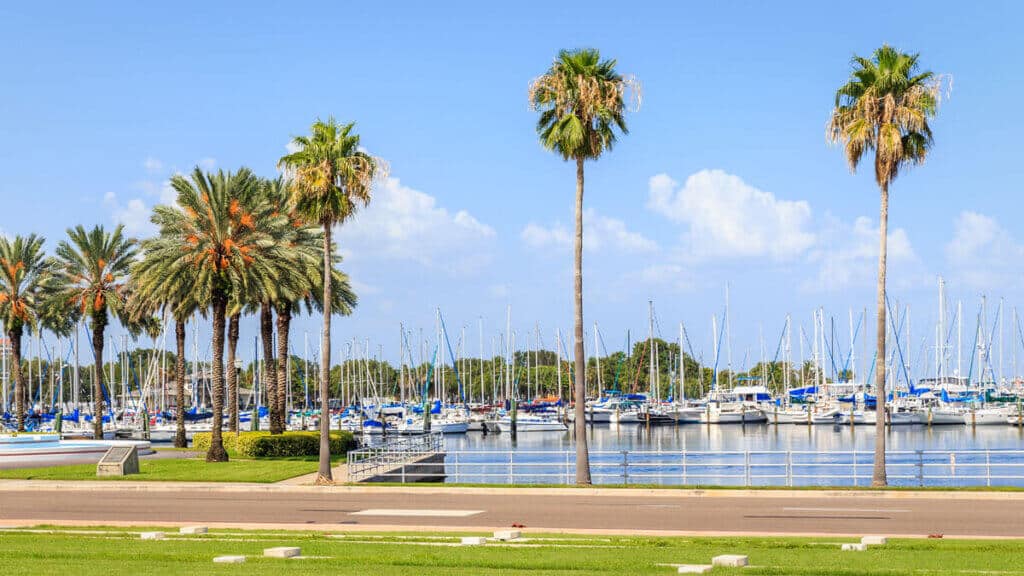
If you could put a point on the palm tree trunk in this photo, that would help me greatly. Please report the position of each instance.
(99, 324)
(217, 452)
(14, 335)
(180, 441)
(580, 394)
(284, 320)
(232, 377)
(269, 370)
(878, 477)
(324, 470)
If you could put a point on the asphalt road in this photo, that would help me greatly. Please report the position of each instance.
(753, 514)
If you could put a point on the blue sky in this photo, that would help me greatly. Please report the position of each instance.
(725, 177)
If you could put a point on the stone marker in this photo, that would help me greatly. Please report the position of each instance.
(695, 568)
(229, 559)
(855, 547)
(473, 540)
(505, 535)
(874, 540)
(282, 552)
(152, 535)
(193, 530)
(730, 560)
(119, 461)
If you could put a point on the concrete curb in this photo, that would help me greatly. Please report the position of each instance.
(225, 487)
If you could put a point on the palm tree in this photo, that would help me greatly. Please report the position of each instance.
(582, 102)
(330, 177)
(25, 278)
(93, 268)
(222, 232)
(884, 107)
(157, 283)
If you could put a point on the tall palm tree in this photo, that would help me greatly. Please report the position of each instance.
(26, 276)
(884, 107)
(582, 102)
(304, 262)
(330, 177)
(93, 268)
(223, 233)
(158, 284)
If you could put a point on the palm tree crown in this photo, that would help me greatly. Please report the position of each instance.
(884, 107)
(93, 267)
(331, 175)
(582, 101)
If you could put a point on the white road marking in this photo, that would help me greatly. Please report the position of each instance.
(417, 512)
(846, 510)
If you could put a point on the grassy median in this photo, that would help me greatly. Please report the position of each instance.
(180, 470)
(106, 551)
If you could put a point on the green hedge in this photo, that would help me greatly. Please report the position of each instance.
(262, 444)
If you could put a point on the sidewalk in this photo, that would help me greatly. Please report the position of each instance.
(339, 473)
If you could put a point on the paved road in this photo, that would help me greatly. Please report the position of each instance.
(686, 512)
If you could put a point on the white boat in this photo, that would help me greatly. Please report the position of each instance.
(989, 416)
(944, 416)
(715, 413)
(860, 418)
(901, 416)
(810, 416)
(530, 423)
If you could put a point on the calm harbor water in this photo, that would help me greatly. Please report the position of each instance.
(754, 455)
(698, 437)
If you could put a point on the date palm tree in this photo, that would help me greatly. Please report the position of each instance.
(330, 176)
(223, 234)
(26, 276)
(302, 285)
(158, 284)
(92, 268)
(582, 101)
(884, 108)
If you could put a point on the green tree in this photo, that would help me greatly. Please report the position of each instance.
(884, 108)
(330, 176)
(93, 268)
(26, 276)
(582, 103)
(225, 235)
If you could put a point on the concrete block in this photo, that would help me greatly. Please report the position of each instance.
(282, 552)
(229, 559)
(193, 530)
(152, 535)
(695, 568)
(473, 540)
(505, 535)
(730, 560)
(855, 547)
(874, 540)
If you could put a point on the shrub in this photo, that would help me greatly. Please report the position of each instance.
(262, 444)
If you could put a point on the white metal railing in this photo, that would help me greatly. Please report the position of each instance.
(392, 453)
(921, 468)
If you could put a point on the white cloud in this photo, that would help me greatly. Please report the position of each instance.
(727, 217)
(405, 224)
(671, 276)
(207, 163)
(500, 291)
(599, 232)
(134, 215)
(983, 254)
(292, 147)
(847, 256)
(153, 165)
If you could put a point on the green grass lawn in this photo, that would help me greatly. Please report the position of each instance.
(180, 470)
(108, 551)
